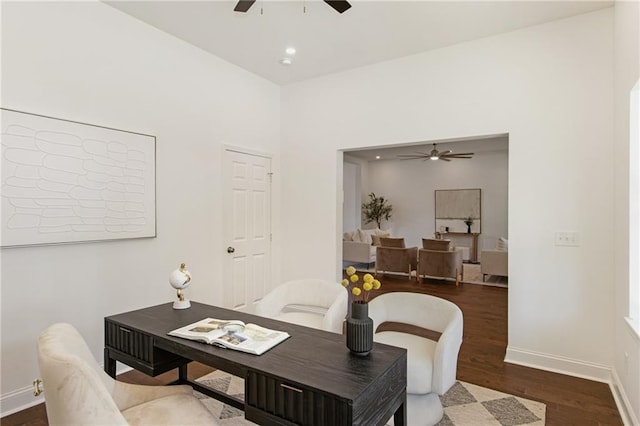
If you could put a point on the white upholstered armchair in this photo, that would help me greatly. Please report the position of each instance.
(431, 365)
(78, 392)
(494, 262)
(310, 302)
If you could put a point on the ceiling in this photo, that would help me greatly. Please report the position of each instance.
(478, 145)
(329, 42)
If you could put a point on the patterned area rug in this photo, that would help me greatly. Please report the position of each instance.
(464, 405)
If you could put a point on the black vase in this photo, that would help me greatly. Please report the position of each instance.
(468, 228)
(359, 329)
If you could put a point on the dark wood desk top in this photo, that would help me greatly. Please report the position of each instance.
(306, 357)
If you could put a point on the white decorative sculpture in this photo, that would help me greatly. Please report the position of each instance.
(180, 279)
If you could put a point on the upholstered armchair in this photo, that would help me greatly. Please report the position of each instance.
(309, 302)
(78, 392)
(396, 257)
(431, 365)
(494, 262)
(436, 259)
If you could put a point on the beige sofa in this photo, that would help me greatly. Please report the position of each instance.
(359, 246)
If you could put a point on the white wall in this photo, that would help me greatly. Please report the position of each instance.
(88, 62)
(550, 88)
(627, 74)
(351, 196)
(409, 186)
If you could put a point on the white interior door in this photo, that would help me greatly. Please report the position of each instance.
(247, 228)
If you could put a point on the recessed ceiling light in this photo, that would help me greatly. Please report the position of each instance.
(285, 61)
(377, 157)
(290, 51)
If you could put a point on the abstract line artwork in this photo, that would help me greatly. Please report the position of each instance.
(64, 181)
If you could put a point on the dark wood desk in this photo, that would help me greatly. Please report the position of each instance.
(309, 379)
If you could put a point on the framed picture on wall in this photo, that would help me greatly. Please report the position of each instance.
(64, 181)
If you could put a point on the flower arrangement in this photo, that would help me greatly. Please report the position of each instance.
(362, 291)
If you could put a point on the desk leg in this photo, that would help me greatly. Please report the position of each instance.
(182, 373)
(400, 416)
(109, 364)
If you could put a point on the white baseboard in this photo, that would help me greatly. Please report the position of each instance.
(21, 399)
(556, 364)
(622, 402)
(18, 400)
(576, 368)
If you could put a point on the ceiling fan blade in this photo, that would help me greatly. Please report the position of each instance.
(416, 155)
(444, 159)
(244, 5)
(339, 5)
(446, 152)
(461, 153)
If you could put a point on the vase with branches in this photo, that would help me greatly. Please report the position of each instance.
(376, 210)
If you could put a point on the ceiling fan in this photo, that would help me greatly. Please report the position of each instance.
(339, 5)
(435, 155)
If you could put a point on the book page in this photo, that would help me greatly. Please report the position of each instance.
(254, 339)
(207, 330)
(232, 334)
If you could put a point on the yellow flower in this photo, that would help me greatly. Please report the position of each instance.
(360, 292)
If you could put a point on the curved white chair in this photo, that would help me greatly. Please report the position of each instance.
(431, 365)
(78, 392)
(310, 302)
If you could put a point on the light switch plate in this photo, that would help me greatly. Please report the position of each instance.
(571, 239)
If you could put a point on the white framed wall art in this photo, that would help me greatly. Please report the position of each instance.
(66, 182)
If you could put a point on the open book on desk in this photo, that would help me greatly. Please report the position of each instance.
(232, 334)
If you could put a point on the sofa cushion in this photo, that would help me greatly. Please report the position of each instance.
(502, 244)
(365, 235)
(348, 236)
(375, 238)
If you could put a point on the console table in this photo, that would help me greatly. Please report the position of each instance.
(473, 255)
(309, 379)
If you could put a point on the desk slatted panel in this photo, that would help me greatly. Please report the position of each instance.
(130, 342)
(293, 403)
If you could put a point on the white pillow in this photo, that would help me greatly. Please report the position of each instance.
(365, 235)
(502, 244)
(348, 236)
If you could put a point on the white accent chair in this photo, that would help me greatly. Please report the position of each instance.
(431, 365)
(310, 302)
(78, 392)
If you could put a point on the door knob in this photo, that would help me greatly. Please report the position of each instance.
(230, 249)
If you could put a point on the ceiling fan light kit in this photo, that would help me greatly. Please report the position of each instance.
(436, 155)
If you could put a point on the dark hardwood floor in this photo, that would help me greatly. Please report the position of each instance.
(569, 400)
